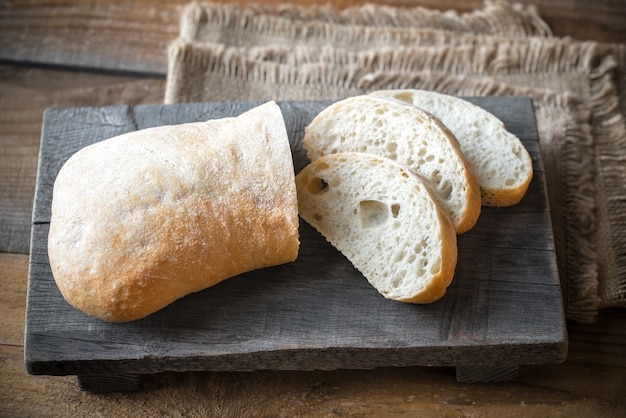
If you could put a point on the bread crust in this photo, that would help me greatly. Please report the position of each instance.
(506, 197)
(441, 281)
(145, 218)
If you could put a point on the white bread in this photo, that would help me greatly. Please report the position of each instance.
(500, 161)
(385, 219)
(145, 218)
(403, 133)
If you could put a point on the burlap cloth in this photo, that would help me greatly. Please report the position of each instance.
(230, 53)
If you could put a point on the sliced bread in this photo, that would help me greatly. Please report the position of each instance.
(498, 158)
(406, 134)
(385, 219)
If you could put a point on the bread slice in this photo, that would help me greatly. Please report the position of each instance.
(500, 161)
(145, 218)
(385, 219)
(403, 133)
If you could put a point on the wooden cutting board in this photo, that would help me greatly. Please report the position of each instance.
(503, 309)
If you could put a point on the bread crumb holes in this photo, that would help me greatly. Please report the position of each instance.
(373, 213)
(317, 186)
(395, 210)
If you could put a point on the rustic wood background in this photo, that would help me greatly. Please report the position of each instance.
(93, 53)
(503, 308)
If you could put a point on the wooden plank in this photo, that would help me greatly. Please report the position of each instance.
(18, 166)
(90, 34)
(133, 36)
(575, 390)
(13, 281)
(504, 303)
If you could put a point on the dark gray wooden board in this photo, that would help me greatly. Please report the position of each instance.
(503, 309)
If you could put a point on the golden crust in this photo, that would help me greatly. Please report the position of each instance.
(449, 256)
(507, 197)
(141, 220)
(474, 207)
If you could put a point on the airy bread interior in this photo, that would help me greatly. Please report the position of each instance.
(385, 219)
(501, 163)
(406, 134)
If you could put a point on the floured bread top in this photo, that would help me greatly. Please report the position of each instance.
(147, 217)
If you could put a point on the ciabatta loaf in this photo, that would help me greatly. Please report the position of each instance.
(385, 219)
(498, 158)
(406, 134)
(145, 218)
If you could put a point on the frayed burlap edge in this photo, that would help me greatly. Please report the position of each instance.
(368, 25)
(610, 143)
(201, 21)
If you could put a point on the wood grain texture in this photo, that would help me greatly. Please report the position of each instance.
(12, 298)
(503, 308)
(80, 34)
(539, 391)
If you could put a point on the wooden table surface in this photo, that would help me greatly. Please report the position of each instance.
(94, 53)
